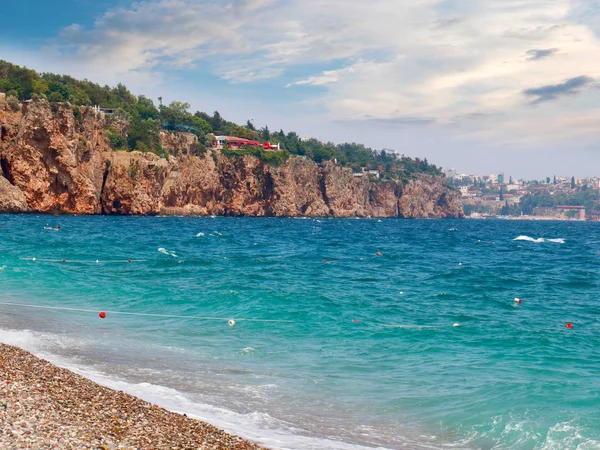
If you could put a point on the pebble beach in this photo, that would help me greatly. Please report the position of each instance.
(46, 407)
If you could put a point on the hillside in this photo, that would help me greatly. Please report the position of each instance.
(145, 121)
(139, 159)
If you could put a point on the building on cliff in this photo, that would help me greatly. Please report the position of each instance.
(238, 142)
(108, 111)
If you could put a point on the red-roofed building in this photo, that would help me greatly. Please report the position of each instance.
(235, 142)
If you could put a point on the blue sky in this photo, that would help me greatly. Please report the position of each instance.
(478, 85)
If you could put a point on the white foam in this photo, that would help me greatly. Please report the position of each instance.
(164, 251)
(539, 240)
(200, 234)
(255, 426)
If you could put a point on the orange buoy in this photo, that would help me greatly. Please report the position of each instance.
(102, 314)
(378, 254)
(569, 325)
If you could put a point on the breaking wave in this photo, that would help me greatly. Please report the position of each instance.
(539, 240)
(164, 251)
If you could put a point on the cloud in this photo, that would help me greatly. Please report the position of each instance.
(554, 91)
(328, 76)
(154, 35)
(395, 122)
(537, 54)
(440, 62)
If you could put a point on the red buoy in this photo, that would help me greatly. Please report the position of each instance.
(325, 261)
(518, 300)
(569, 325)
(356, 321)
(128, 260)
(64, 260)
(102, 314)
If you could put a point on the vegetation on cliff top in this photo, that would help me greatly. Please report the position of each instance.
(145, 120)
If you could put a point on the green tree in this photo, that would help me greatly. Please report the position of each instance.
(264, 133)
(174, 114)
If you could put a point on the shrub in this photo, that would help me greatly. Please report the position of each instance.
(78, 116)
(13, 103)
(271, 157)
(116, 140)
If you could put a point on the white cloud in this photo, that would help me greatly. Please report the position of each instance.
(442, 61)
(329, 76)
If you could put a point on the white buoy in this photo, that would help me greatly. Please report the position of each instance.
(518, 300)
(401, 293)
(231, 322)
(33, 259)
(97, 261)
(456, 325)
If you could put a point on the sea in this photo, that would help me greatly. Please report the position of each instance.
(323, 333)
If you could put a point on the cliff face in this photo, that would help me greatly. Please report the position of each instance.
(59, 160)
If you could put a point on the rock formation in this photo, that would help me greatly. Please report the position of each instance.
(56, 159)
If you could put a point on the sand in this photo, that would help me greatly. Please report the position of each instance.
(46, 407)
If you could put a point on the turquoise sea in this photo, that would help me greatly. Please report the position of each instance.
(348, 349)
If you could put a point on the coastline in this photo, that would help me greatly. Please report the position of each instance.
(45, 406)
(531, 218)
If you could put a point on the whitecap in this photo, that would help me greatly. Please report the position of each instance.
(164, 251)
(539, 240)
(200, 234)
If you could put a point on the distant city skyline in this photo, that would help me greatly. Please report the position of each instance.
(485, 86)
(508, 176)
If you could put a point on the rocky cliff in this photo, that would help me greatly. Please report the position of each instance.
(58, 160)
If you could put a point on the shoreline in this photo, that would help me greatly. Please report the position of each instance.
(527, 218)
(45, 406)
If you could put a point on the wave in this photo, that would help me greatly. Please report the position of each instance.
(164, 251)
(256, 426)
(200, 234)
(539, 240)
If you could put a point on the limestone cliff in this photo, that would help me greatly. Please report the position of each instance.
(56, 159)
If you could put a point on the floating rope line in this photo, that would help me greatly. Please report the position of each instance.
(414, 326)
(169, 316)
(83, 261)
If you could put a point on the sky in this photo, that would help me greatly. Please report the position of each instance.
(482, 86)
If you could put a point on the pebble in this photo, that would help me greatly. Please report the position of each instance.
(48, 407)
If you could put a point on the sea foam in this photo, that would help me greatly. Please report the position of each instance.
(259, 427)
(539, 240)
(164, 251)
